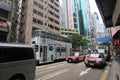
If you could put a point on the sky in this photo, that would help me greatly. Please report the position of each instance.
(94, 8)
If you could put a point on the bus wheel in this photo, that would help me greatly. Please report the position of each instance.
(17, 77)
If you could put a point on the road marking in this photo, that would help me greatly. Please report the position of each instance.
(40, 72)
(37, 67)
(42, 69)
(53, 74)
(84, 72)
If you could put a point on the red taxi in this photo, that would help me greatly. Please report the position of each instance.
(75, 57)
(95, 59)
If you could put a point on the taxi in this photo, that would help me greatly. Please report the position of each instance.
(95, 60)
(75, 57)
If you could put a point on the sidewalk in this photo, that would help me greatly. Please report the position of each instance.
(114, 71)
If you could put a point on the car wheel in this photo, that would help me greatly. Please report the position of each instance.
(69, 60)
(87, 65)
(18, 77)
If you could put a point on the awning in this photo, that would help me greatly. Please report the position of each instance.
(106, 8)
(117, 35)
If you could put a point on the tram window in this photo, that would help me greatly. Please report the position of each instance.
(50, 48)
(63, 49)
(58, 49)
(33, 42)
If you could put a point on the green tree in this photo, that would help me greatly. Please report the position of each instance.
(78, 41)
(105, 43)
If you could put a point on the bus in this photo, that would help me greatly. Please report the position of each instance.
(50, 47)
(17, 62)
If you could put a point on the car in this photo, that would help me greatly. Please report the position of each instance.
(17, 62)
(75, 57)
(95, 60)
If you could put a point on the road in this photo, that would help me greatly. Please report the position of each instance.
(67, 71)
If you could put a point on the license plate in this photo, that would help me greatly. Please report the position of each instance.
(91, 64)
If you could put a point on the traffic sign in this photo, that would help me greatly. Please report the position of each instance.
(104, 39)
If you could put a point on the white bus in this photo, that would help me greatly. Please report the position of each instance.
(50, 47)
(17, 62)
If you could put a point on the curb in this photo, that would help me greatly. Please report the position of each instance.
(106, 72)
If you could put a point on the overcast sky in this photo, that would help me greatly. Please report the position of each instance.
(94, 8)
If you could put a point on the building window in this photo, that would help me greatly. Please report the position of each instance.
(75, 20)
(35, 3)
(40, 14)
(40, 6)
(35, 11)
(40, 22)
(75, 26)
(34, 20)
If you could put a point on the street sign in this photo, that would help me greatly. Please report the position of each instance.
(104, 39)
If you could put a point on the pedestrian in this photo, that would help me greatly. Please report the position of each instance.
(118, 55)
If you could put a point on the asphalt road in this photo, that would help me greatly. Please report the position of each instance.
(67, 71)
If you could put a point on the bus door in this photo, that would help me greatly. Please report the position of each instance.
(58, 52)
(44, 55)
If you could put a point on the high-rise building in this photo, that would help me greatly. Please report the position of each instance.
(39, 14)
(70, 14)
(76, 14)
(64, 14)
(88, 16)
(5, 8)
(83, 19)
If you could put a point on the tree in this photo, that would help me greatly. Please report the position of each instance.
(78, 41)
(105, 44)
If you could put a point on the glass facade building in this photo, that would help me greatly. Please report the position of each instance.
(82, 13)
(77, 15)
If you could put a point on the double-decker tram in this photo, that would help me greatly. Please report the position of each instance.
(50, 47)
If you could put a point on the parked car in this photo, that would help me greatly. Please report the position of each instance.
(95, 59)
(75, 57)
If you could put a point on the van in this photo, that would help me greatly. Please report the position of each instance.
(17, 62)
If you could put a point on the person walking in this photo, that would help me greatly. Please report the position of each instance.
(118, 55)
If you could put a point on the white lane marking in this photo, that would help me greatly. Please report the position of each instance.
(79, 64)
(37, 67)
(53, 74)
(84, 72)
(42, 69)
(40, 72)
